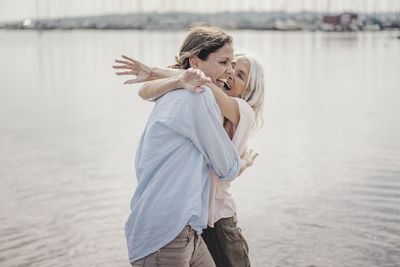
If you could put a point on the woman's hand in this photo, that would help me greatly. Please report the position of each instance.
(193, 80)
(134, 67)
(247, 159)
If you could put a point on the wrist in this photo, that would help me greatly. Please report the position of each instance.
(177, 82)
(180, 82)
(155, 72)
(151, 74)
(243, 163)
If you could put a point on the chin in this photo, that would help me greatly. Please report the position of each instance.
(226, 92)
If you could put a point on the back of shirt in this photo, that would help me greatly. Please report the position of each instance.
(182, 140)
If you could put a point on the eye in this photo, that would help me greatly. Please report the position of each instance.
(223, 62)
(240, 76)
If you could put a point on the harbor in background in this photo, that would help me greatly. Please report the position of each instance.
(281, 21)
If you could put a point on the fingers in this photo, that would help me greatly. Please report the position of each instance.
(132, 81)
(122, 67)
(125, 73)
(252, 158)
(205, 80)
(244, 152)
(198, 90)
(195, 73)
(195, 78)
(199, 73)
(124, 62)
(130, 59)
(249, 155)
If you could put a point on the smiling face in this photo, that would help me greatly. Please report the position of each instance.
(237, 82)
(217, 66)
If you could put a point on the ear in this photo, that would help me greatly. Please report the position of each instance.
(194, 62)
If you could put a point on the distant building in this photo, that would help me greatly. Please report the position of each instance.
(342, 22)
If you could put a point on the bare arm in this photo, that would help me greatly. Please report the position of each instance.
(229, 107)
(190, 79)
(159, 73)
(156, 86)
(143, 72)
(154, 89)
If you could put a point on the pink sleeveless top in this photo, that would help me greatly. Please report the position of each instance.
(221, 203)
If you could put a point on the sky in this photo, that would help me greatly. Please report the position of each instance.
(20, 9)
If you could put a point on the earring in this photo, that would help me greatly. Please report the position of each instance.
(243, 94)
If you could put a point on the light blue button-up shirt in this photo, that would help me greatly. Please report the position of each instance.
(182, 141)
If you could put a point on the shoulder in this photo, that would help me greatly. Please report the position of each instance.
(246, 112)
(181, 93)
(199, 102)
(191, 104)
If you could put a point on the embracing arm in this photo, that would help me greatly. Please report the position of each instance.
(191, 79)
(159, 73)
(228, 105)
(154, 89)
(156, 86)
(143, 72)
(207, 134)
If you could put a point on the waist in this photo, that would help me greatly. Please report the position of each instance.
(231, 221)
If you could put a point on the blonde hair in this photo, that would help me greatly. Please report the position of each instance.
(201, 41)
(255, 93)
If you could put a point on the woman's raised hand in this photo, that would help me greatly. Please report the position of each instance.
(133, 67)
(193, 80)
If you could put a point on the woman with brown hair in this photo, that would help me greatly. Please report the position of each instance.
(241, 102)
(182, 141)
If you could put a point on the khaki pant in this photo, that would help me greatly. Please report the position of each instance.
(227, 244)
(186, 250)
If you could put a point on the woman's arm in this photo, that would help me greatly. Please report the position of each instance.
(159, 73)
(155, 89)
(142, 71)
(190, 79)
(229, 107)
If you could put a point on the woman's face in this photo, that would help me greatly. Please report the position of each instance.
(237, 82)
(218, 65)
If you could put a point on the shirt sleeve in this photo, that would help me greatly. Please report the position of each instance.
(206, 132)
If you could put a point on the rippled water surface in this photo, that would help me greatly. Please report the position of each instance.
(325, 190)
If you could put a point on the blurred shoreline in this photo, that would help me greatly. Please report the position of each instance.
(274, 21)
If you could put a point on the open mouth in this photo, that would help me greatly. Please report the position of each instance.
(225, 82)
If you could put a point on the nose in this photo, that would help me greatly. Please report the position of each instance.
(229, 70)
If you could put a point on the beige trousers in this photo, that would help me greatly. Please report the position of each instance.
(186, 250)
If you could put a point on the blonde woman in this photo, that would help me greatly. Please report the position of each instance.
(241, 100)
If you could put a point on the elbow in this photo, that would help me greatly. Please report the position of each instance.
(142, 92)
(233, 172)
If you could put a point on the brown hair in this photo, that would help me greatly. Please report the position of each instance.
(200, 42)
